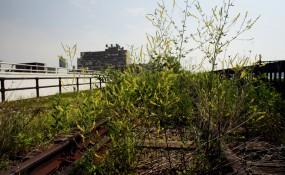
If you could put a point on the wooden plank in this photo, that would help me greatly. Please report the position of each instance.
(170, 145)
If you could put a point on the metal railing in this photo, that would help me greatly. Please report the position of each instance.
(98, 79)
(30, 68)
(272, 71)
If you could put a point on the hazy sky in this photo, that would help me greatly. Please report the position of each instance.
(32, 30)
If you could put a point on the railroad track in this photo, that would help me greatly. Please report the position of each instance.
(62, 153)
(260, 158)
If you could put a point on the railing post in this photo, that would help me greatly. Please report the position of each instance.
(37, 87)
(100, 82)
(274, 76)
(90, 81)
(2, 89)
(77, 83)
(59, 84)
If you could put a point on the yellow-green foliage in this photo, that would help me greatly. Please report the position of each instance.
(209, 102)
(24, 128)
(138, 97)
(148, 97)
(225, 105)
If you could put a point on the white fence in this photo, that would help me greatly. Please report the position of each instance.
(29, 86)
(11, 68)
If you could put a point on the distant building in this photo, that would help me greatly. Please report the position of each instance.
(30, 67)
(62, 62)
(113, 56)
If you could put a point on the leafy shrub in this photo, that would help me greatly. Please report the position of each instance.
(268, 106)
(139, 98)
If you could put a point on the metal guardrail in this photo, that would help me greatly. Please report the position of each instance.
(272, 71)
(30, 68)
(60, 85)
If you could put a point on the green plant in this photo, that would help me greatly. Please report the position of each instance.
(26, 128)
(268, 106)
(138, 100)
(70, 52)
(11, 128)
(166, 47)
(218, 30)
(85, 114)
(60, 114)
(86, 165)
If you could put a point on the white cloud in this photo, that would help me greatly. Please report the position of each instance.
(136, 11)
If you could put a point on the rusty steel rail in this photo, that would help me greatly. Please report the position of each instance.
(62, 153)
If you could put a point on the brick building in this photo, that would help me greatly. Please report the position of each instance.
(113, 56)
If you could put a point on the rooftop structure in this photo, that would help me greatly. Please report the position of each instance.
(31, 66)
(113, 56)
